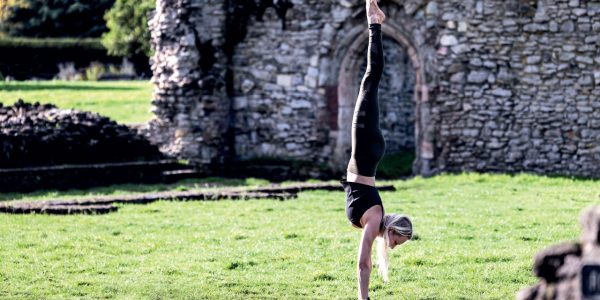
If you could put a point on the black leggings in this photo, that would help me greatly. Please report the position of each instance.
(368, 145)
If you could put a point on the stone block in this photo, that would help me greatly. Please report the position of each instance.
(247, 86)
(501, 92)
(567, 26)
(448, 40)
(240, 103)
(284, 80)
(590, 224)
(300, 104)
(432, 9)
(477, 76)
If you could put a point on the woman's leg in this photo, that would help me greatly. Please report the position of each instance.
(368, 145)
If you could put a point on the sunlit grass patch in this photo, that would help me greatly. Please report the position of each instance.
(123, 101)
(475, 238)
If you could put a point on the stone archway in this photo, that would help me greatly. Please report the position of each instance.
(347, 89)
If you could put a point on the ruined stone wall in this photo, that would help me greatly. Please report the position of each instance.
(495, 85)
(518, 86)
(279, 110)
(190, 100)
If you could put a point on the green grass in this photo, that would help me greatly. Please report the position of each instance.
(477, 237)
(123, 101)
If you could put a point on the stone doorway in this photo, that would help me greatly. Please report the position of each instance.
(402, 95)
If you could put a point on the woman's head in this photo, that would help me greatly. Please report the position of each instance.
(397, 229)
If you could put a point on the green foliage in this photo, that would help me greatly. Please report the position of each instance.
(396, 165)
(25, 58)
(477, 237)
(56, 43)
(94, 71)
(6, 7)
(128, 33)
(56, 18)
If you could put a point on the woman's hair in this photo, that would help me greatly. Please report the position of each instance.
(400, 224)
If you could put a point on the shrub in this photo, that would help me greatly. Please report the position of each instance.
(128, 34)
(394, 166)
(24, 58)
(67, 71)
(94, 71)
(55, 18)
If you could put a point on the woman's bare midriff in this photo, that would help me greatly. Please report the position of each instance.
(351, 177)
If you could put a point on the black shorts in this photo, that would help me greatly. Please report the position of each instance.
(359, 198)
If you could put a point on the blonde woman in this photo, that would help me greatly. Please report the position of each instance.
(364, 208)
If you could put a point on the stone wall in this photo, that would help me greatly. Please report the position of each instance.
(472, 85)
(518, 87)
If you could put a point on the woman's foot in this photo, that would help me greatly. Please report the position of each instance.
(374, 13)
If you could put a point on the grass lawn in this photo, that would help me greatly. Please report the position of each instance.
(477, 235)
(123, 101)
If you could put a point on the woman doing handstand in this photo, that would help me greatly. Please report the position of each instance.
(364, 208)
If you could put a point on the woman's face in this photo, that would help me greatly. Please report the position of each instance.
(396, 239)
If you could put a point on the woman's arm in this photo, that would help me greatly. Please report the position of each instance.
(369, 234)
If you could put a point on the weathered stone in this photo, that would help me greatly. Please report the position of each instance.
(536, 59)
(432, 9)
(584, 60)
(240, 103)
(458, 77)
(284, 80)
(477, 76)
(585, 81)
(501, 92)
(567, 26)
(247, 86)
(448, 40)
(566, 56)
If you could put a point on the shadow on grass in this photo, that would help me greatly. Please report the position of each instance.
(124, 189)
(43, 87)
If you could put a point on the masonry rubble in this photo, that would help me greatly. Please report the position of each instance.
(570, 270)
(38, 134)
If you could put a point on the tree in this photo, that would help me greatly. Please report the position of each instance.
(128, 33)
(5, 6)
(54, 18)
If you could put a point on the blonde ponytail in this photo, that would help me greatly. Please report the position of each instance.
(401, 225)
(382, 256)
